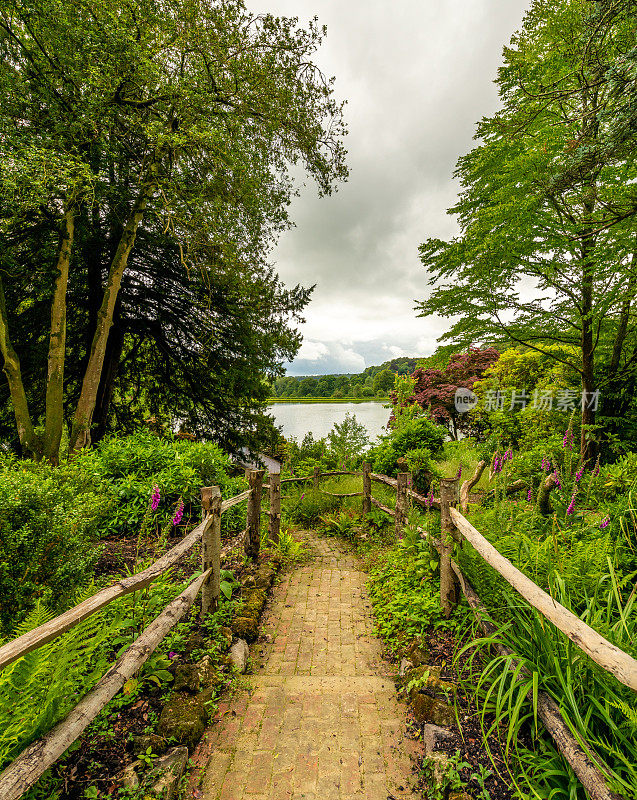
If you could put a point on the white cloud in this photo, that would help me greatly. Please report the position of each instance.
(312, 351)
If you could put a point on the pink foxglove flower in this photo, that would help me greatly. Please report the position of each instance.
(155, 498)
(571, 505)
(529, 495)
(605, 523)
(179, 513)
(459, 475)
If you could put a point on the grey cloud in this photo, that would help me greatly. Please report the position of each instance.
(417, 75)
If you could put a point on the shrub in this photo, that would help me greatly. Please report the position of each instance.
(131, 466)
(45, 533)
(412, 437)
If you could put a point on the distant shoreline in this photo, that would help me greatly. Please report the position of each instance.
(275, 400)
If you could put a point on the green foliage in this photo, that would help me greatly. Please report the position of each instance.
(547, 202)
(343, 523)
(377, 518)
(444, 779)
(348, 440)
(41, 687)
(289, 547)
(596, 706)
(406, 602)
(365, 384)
(413, 437)
(46, 527)
(131, 466)
(306, 507)
(109, 129)
(50, 517)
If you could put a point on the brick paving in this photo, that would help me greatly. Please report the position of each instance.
(318, 719)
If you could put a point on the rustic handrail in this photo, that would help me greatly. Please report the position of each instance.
(342, 494)
(382, 507)
(55, 627)
(588, 773)
(234, 501)
(33, 762)
(607, 655)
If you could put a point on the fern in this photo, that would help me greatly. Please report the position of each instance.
(39, 689)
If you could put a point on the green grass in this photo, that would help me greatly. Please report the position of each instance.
(463, 453)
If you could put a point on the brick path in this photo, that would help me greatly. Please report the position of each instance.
(319, 719)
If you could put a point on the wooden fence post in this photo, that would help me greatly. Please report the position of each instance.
(316, 479)
(367, 488)
(253, 534)
(448, 587)
(211, 549)
(401, 502)
(274, 527)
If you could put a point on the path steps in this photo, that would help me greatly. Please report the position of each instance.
(319, 719)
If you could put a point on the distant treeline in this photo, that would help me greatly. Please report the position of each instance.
(372, 382)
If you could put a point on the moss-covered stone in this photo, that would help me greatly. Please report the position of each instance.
(183, 719)
(254, 599)
(418, 652)
(432, 709)
(141, 743)
(427, 680)
(245, 628)
(264, 576)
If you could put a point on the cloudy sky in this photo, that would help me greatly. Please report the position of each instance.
(417, 75)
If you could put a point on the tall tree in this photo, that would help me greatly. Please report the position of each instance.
(546, 252)
(122, 120)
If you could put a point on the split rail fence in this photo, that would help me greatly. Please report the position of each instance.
(455, 529)
(39, 756)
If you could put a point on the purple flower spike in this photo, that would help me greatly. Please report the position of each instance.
(605, 523)
(459, 475)
(179, 513)
(529, 496)
(155, 498)
(303, 495)
(558, 483)
(571, 505)
(579, 473)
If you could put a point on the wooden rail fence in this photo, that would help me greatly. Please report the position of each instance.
(31, 764)
(39, 756)
(454, 529)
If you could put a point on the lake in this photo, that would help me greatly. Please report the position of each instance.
(297, 419)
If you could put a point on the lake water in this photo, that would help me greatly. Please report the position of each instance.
(297, 419)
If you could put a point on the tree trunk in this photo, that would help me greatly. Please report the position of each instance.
(624, 317)
(54, 419)
(81, 430)
(26, 434)
(112, 358)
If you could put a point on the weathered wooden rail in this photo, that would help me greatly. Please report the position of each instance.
(39, 756)
(456, 528)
